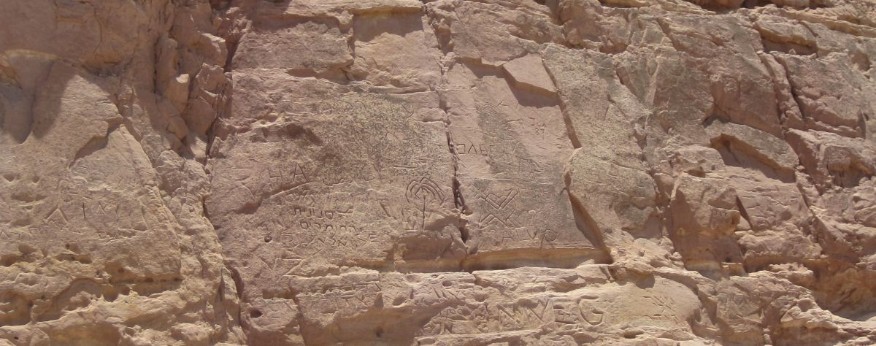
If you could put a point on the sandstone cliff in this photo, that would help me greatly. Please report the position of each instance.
(449, 172)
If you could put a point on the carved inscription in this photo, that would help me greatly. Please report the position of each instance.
(478, 149)
(312, 237)
(285, 266)
(286, 175)
(665, 306)
(566, 312)
(435, 294)
(307, 229)
(58, 220)
(541, 236)
(527, 313)
(346, 301)
(318, 213)
(425, 190)
(288, 266)
(379, 135)
(106, 217)
(409, 216)
(363, 106)
(540, 127)
(503, 223)
(496, 212)
(589, 312)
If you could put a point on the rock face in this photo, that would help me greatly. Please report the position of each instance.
(450, 172)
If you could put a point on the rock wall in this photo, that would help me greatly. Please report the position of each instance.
(449, 172)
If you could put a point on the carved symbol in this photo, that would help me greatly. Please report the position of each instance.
(293, 264)
(284, 267)
(665, 307)
(565, 314)
(58, 218)
(590, 314)
(287, 176)
(422, 190)
(496, 208)
(550, 235)
(298, 171)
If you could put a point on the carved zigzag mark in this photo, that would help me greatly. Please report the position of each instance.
(492, 218)
(278, 265)
(498, 203)
(295, 263)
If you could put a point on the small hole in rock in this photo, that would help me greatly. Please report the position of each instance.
(268, 238)
(8, 260)
(631, 334)
(379, 332)
(255, 313)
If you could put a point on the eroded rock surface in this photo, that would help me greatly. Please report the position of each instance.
(444, 172)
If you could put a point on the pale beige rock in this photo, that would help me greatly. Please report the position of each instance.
(448, 172)
(704, 218)
(837, 102)
(308, 46)
(396, 50)
(781, 35)
(525, 71)
(97, 233)
(751, 147)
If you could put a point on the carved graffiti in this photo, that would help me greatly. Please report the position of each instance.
(424, 190)
(498, 214)
(409, 216)
(363, 106)
(285, 266)
(287, 175)
(589, 312)
(106, 217)
(342, 300)
(477, 149)
(496, 211)
(541, 236)
(306, 229)
(311, 238)
(524, 314)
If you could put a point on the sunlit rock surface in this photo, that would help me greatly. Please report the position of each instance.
(450, 172)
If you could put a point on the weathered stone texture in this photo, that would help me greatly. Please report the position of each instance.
(445, 172)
